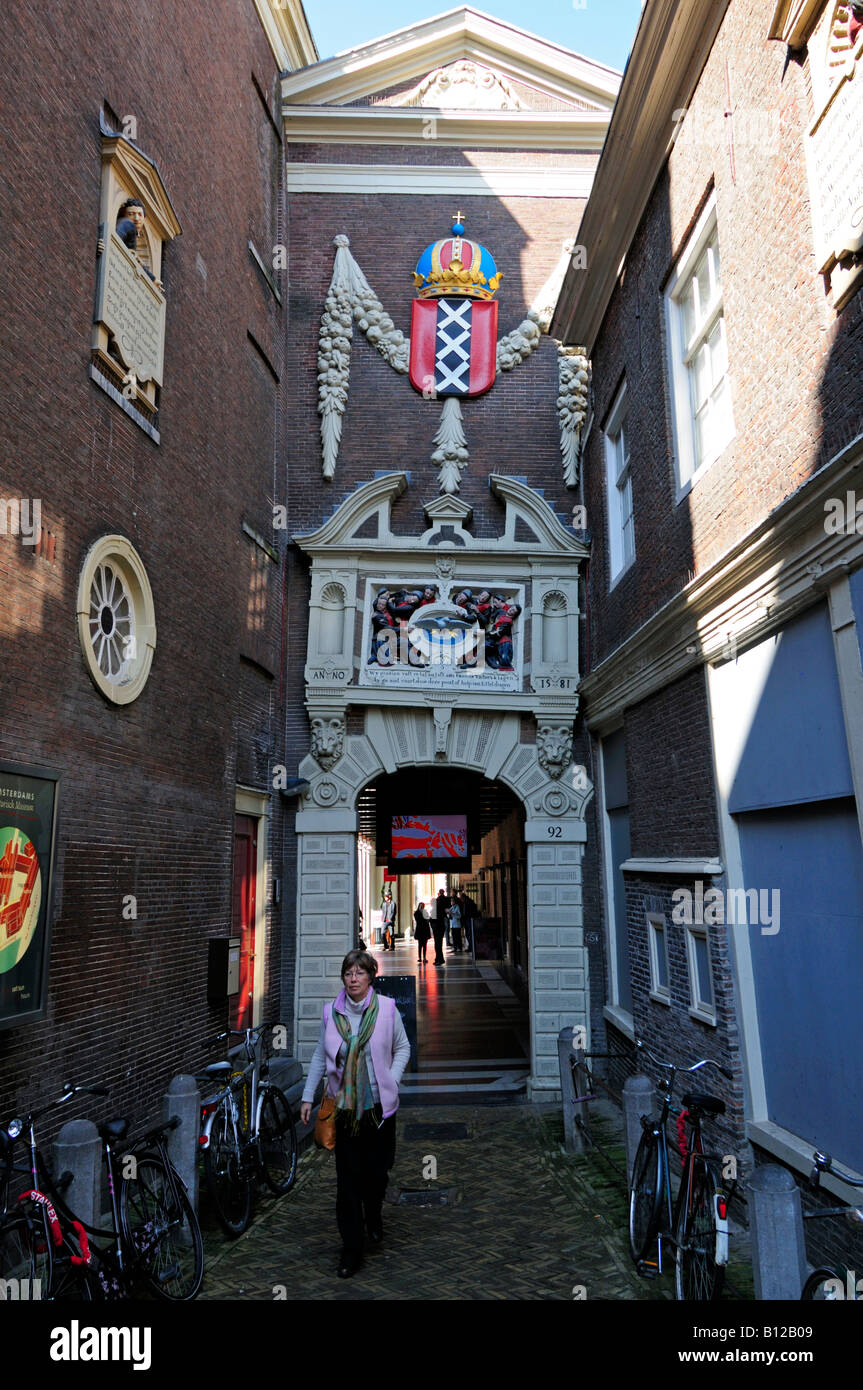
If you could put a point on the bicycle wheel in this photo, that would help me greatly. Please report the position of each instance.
(697, 1276)
(278, 1138)
(824, 1286)
(160, 1226)
(645, 1195)
(226, 1180)
(26, 1259)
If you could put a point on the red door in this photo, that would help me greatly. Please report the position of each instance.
(243, 914)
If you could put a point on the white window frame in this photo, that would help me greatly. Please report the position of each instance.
(616, 469)
(680, 353)
(660, 993)
(700, 1008)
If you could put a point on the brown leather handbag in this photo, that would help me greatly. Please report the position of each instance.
(325, 1124)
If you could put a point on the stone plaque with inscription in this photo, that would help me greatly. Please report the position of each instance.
(130, 306)
(834, 152)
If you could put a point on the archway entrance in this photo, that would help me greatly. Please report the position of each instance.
(472, 1008)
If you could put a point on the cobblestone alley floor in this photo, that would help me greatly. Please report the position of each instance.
(522, 1220)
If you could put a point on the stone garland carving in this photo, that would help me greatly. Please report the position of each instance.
(451, 453)
(350, 299)
(516, 347)
(328, 741)
(554, 748)
(440, 84)
(574, 378)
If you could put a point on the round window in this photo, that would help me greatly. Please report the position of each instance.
(116, 619)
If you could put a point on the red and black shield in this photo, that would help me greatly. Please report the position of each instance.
(453, 346)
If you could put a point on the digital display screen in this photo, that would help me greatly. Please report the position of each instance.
(429, 837)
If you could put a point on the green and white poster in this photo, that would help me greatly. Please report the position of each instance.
(28, 814)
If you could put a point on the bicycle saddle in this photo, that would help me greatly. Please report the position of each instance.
(700, 1100)
(112, 1131)
(218, 1069)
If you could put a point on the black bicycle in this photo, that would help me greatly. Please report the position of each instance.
(696, 1225)
(247, 1133)
(832, 1284)
(154, 1238)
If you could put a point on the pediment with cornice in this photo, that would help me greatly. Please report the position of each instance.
(461, 59)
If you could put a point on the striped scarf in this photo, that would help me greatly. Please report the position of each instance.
(355, 1093)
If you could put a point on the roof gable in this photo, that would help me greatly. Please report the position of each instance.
(415, 58)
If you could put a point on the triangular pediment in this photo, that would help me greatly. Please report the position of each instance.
(463, 59)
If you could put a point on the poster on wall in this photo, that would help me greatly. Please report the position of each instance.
(28, 822)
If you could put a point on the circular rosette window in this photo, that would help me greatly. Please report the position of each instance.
(116, 619)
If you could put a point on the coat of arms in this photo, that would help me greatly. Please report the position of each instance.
(453, 345)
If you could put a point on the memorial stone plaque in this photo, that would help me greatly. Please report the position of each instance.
(133, 310)
(834, 153)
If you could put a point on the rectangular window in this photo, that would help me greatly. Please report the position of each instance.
(660, 988)
(621, 525)
(700, 976)
(700, 385)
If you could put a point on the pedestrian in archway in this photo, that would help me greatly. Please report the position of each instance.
(439, 925)
(362, 1050)
(455, 924)
(422, 931)
(388, 918)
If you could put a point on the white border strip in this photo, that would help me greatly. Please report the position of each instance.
(457, 182)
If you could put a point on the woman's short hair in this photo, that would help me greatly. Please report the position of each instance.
(363, 959)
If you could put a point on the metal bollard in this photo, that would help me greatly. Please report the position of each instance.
(574, 1141)
(184, 1099)
(776, 1229)
(638, 1100)
(78, 1150)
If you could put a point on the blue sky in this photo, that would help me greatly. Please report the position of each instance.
(598, 29)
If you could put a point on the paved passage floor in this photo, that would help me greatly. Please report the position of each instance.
(519, 1219)
(472, 1030)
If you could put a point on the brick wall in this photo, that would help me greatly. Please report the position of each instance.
(147, 796)
(791, 359)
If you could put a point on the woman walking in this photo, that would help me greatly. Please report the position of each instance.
(362, 1050)
(422, 931)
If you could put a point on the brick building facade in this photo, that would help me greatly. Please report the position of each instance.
(723, 686)
(182, 480)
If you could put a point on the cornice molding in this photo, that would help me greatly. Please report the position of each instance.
(460, 181)
(409, 125)
(414, 51)
(775, 572)
(288, 33)
(672, 45)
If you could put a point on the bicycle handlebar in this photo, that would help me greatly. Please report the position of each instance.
(641, 1046)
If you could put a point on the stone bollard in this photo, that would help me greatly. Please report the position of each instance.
(776, 1229)
(78, 1150)
(574, 1142)
(638, 1100)
(184, 1099)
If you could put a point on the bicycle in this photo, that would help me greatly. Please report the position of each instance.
(828, 1284)
(247, 1133)
(154, 1237)
(697, 1223)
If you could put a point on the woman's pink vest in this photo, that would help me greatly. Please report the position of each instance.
(380, 1046)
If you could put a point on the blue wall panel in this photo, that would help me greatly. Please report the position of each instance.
(809, 976)
(796, 749)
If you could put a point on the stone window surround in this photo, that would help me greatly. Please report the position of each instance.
(121, 554)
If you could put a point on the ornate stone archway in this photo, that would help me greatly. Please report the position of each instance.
(442, 718)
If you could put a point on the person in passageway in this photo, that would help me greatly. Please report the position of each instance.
(422, 931)
(362, 1050)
